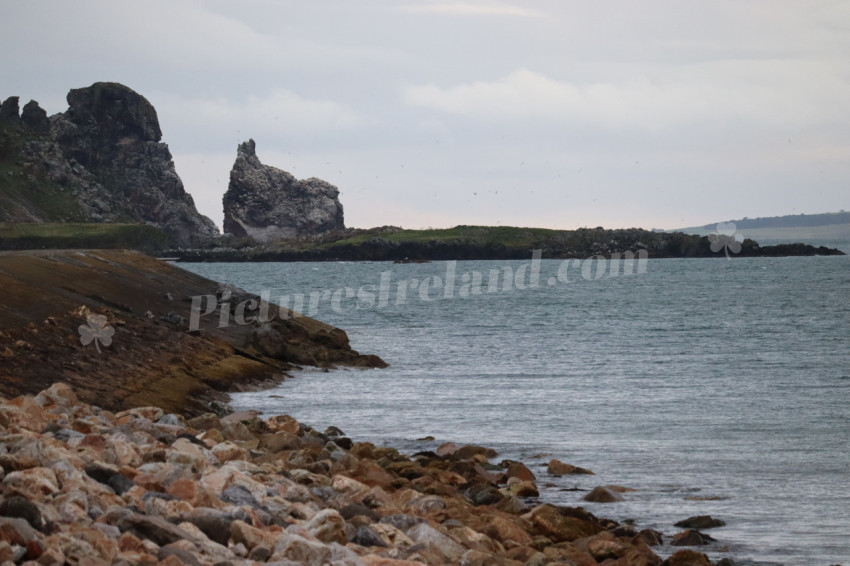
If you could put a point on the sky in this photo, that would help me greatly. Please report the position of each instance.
(559, 114)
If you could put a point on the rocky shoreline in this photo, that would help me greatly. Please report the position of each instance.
(83, 485)
(152, 355)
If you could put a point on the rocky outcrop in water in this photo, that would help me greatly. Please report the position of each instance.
(266, 203)
(100, 161)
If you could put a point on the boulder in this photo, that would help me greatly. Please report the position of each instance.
(266, 203)
(687, 558)
(700, 522)
(328, 526)
(558, 468)
(601, 494)
(550, 522)
(435, 541)
(690, 537)
(21, 508)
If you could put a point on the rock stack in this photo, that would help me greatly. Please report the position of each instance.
(82, 485)
(266, 203)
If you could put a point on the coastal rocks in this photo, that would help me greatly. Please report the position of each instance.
(101, 161)
(214, 501)
(265, 203)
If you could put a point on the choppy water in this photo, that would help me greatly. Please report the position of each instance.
(698, 378)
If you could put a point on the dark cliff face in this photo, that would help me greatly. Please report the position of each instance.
(266, 203)
(100, 161)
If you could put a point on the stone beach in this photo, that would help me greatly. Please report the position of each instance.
(83, 485)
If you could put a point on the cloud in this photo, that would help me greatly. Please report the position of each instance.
(470, 9)
(764, 92)
(280, 115)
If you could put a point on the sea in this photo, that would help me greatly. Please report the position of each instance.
(710, 386)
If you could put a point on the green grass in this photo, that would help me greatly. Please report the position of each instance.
(27, 236)
(507, 235)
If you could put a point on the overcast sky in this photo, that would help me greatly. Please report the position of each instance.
(656, 114)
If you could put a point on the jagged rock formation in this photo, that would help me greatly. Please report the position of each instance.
(100, 161)
(266, 203)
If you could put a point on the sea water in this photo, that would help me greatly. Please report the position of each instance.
(711, 386)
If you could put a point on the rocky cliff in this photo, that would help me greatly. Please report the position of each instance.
(266, 203)
(100, 161)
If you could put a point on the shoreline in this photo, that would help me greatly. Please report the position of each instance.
(144, 486)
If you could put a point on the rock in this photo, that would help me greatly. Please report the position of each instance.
(367, 536)
(155, 529)
(266, 203)
(690, 538)
(523, 489)
(446, 449)
(239, 495)
(437, 542)
(57, 395)
(687, 558)
(520, 471)
(105, 153)
(10, 110)
(21, 508)
(484, 494)
(700, 522)
(35, 118)
(251, 537)
(469, 451)
(35, 484)
(328, 526)
(401, 521)
(227, 451)
(293, 547)
(602, 494)
(183, 557)
(479, 558)
(16, 531)
(213, 523)
(651, 537)
(504, 530)
(558, 468)
(549, 521)
(120, 483)
(284, 423)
